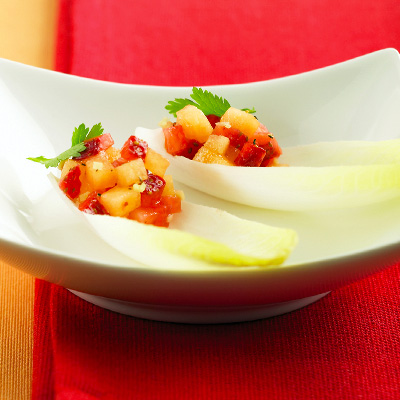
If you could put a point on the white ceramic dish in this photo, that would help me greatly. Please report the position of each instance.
(358, 99)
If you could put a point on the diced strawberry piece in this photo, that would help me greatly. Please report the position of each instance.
(213, 119)
(92, 205)
(134, 148)
(71, 183)
(151, 196)
(191, 149)
(175, 140)
(236, 138)
(157, 216)
(261, 135)
(95, 145)
(272, 148)
(267, 141)
(176, 143)
(251, 155)
(119, 162)
(172, 204)
(267, 162)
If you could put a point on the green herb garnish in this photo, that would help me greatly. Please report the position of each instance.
(205, 101)
(80, 134)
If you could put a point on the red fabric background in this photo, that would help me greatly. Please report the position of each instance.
(218, 41)
(345, 346)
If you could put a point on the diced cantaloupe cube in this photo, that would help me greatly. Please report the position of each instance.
(217, 144)
(242, 120)
(194, 123)
(101, 175)
(207, 156)
(113, 154)
(120, 201)
(155, 163)
(131, 172)
(169, 189)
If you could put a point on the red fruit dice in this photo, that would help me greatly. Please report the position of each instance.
(119, 161)
(176, 143)
(134, 148)
(267, 162)
(261, 135)
(175, 140)
(172, 203)
(272, 148)
(92, 205)
(71, 183)
(151, 196)
(236, 138)
(213, 119)
(251, 155)
(192, 147)
(95, 145)
(157, 216)
(267, 141)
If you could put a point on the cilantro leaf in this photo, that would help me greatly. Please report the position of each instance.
(209, 103)
(74, 151)
(175, 105)
(97, 130)
(205, 101)
(79, 135)
(249, 110)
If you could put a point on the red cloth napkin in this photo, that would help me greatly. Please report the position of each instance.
(344, 346)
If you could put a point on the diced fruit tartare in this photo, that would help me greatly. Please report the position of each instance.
(129, 182)
(234, 137)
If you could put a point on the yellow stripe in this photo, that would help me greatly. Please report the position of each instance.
(27, 35)
(27, 31)
(16, 339)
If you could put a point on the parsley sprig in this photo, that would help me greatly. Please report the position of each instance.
(205, 101)
(80, 134)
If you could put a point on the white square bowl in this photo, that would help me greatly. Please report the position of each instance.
(358, 99)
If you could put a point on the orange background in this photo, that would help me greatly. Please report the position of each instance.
(27, 35)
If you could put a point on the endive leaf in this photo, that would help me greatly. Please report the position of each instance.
(198, 237)
(319, 176)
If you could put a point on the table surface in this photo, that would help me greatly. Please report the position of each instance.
(27, 35)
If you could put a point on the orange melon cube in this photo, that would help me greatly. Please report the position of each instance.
(217, 144)
(169, 189)
(131, 172)
(207, 156)
(242, 120)
(194, 123)
(113, 154)
(100, 174)
(156, 163)
(120, 201)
